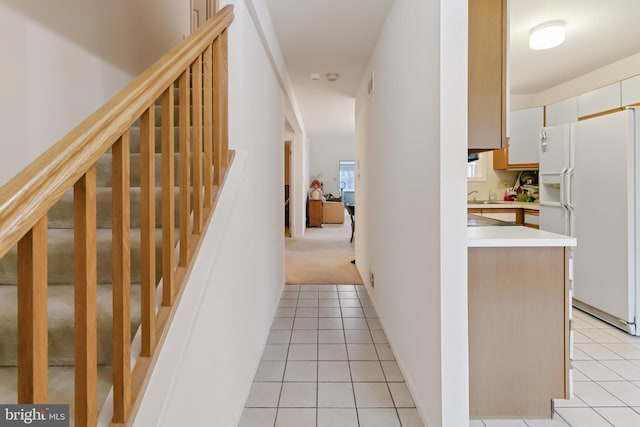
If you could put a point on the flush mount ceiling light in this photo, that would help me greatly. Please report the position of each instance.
(332, 77)
(546, 36)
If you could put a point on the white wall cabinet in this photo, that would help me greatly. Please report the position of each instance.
(562, 112)
(599, 100)
(525, 135)
(630, 91)
(522, 152)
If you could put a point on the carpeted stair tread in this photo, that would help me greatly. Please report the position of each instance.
(104, 167)
(61, 272)
(60, 306)
(61, 214)
(134, 133)
(61, 384)
(60, 258)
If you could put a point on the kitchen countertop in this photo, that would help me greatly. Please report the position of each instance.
(503, 205)
(516, 236)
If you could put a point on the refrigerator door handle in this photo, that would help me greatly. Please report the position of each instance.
(543, 140)
(568, 200)
(565, 190)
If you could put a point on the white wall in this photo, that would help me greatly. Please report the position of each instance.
(411, 144)
(206, 368)
(324, 157)
(64, 59)
(259, 11)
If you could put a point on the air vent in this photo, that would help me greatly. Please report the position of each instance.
(370, 86)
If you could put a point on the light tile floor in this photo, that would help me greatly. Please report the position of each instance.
(327, 363)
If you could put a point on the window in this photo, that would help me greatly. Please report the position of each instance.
(348, 181)
(477, 170)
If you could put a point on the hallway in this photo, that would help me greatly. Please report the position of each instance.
(322, 256)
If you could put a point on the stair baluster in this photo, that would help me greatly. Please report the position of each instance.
(32, 315)
(85, 295)
(148, 232)
(121, 281)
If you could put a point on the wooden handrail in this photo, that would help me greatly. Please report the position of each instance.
(197, 67)
(32, 192)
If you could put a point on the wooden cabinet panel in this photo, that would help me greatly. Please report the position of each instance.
(314, 213)
(487, 74)
(518, 331)
(531, 218)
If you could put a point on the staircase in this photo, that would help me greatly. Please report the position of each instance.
(158, 152)
(61, 278)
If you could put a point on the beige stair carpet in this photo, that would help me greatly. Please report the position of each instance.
(60, 280)
(322, 256)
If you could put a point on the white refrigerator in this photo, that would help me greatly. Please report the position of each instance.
(589, 188)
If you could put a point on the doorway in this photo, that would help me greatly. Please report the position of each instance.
(287, 187)
(201, 11)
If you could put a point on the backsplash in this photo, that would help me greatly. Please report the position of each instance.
(492, 180)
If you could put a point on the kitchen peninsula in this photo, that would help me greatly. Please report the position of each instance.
(519, 309)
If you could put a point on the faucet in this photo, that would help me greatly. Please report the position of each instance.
(474, 192)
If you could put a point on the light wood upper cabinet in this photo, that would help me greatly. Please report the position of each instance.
(487, 74)
(522, 152)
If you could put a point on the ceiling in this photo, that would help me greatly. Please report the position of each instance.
(337, 36)
(599, 32)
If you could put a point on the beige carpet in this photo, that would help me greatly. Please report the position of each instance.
(322, 256)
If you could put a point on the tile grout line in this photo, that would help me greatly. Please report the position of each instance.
(318, 363)
(344, 334)
(286, 359)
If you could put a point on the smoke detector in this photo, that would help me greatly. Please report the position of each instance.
(332, 77)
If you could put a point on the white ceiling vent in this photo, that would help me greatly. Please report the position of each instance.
(370, 86)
